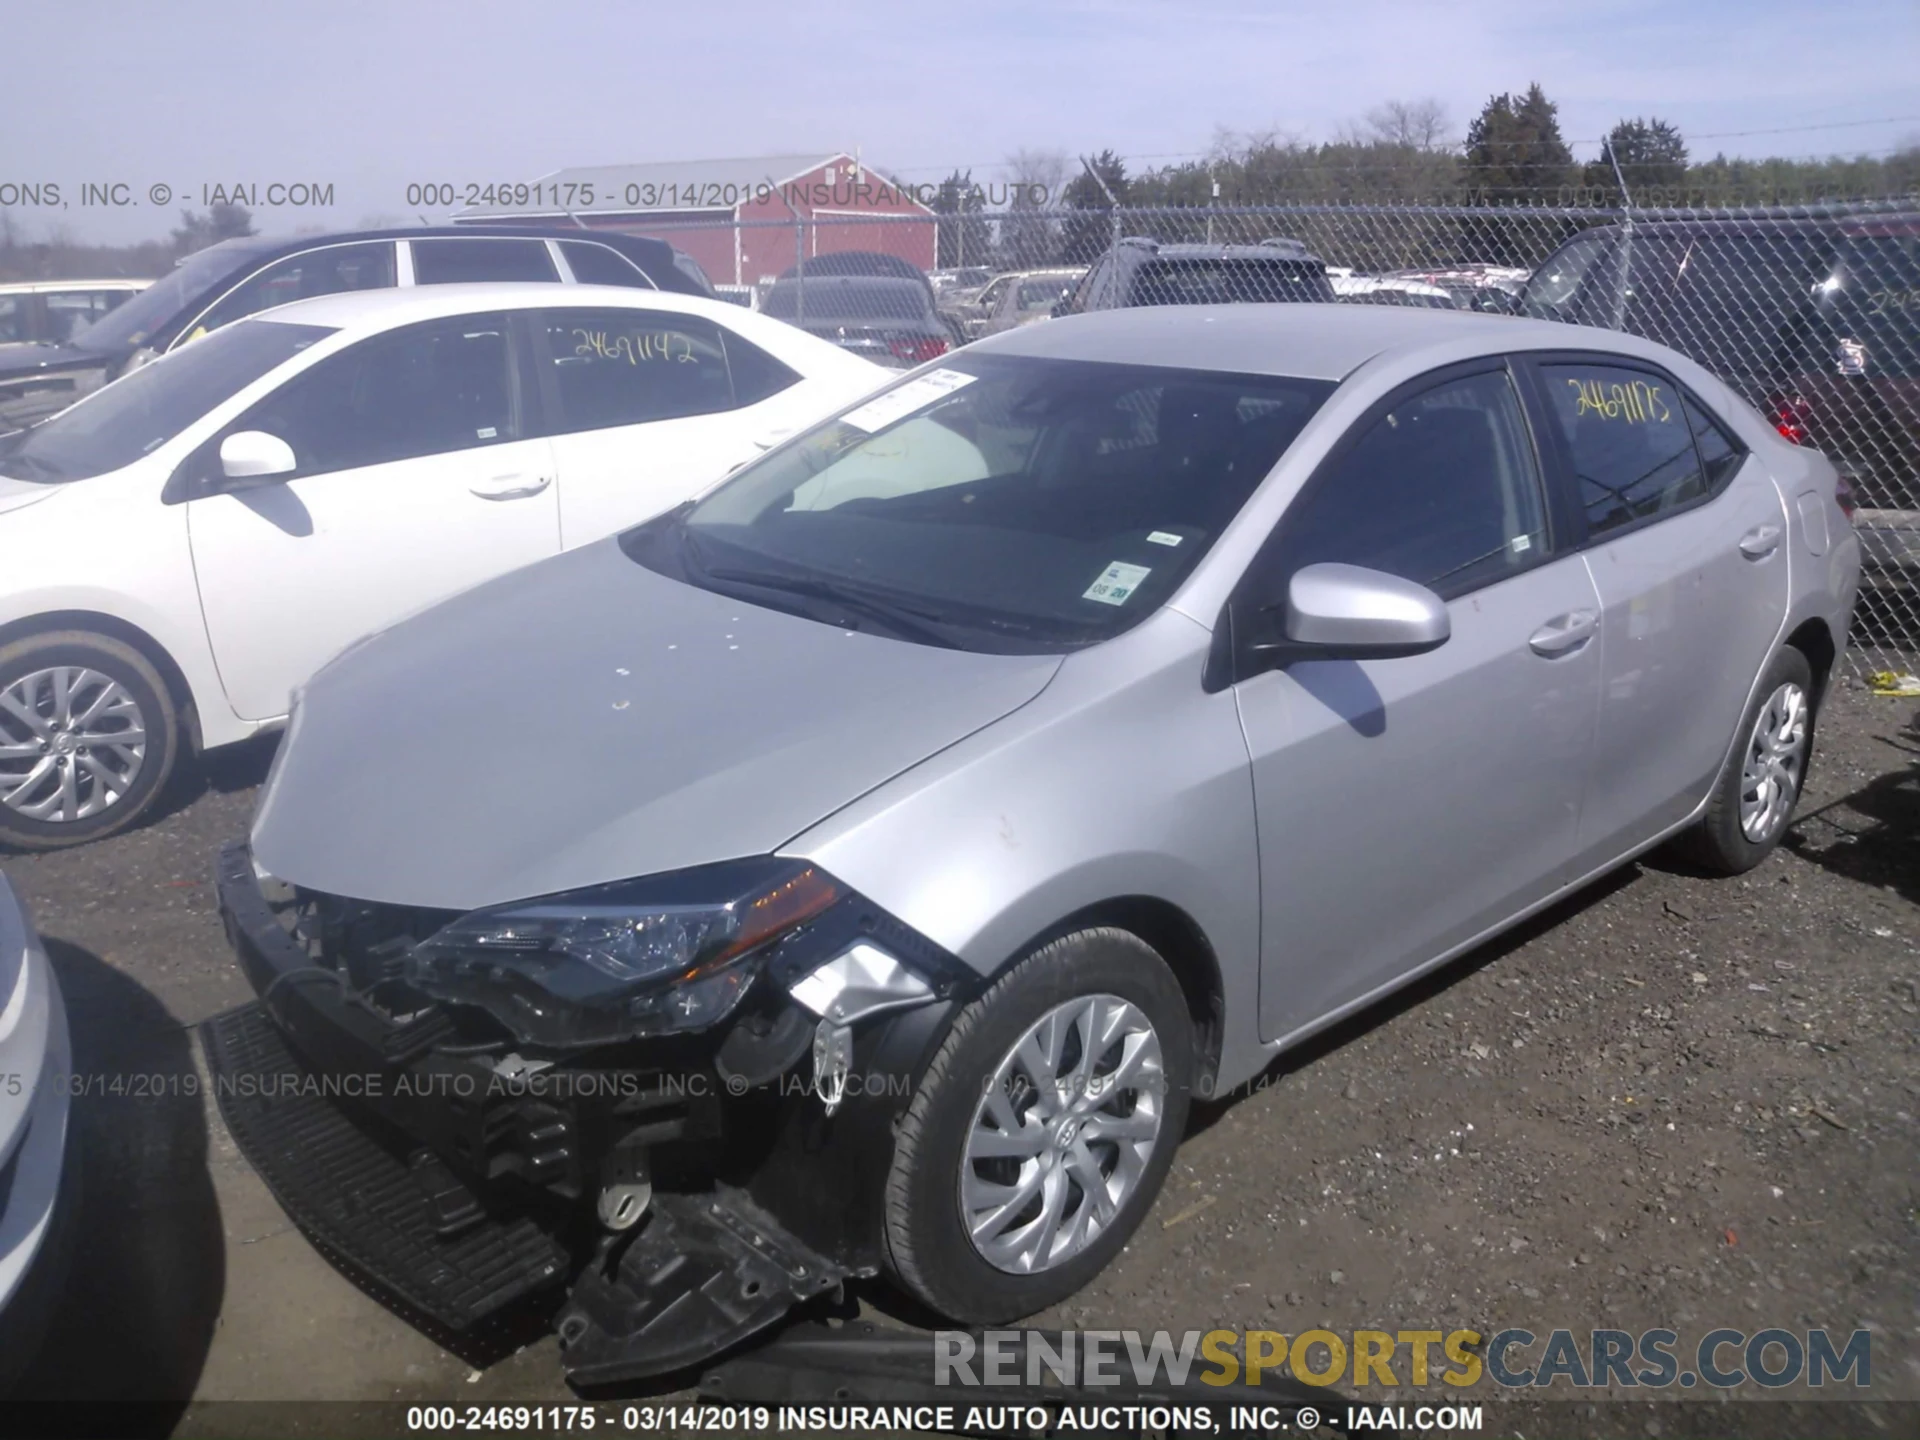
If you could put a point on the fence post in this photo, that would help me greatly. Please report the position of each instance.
(799, 272)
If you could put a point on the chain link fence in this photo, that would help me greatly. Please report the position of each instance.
(1812, 313)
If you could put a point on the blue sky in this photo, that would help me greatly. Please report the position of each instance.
(367, 96)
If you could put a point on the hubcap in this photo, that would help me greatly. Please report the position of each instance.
(72, 743)
(1062, 1134)
(1774, 764)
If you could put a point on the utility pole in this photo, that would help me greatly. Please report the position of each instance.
(1113, 205)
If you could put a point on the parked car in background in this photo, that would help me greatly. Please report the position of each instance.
(1019, 297)
(1145, 272)
(1851, 382)
(186, 546)
(1390, 290)
(1728, 293)
(51, 312)
(746, 296)
(886, 319)
(237, 278)
(37, 1174)
(872, 264)
(1495, 289)
(1852, 389)
(959, 280)
(859, 718)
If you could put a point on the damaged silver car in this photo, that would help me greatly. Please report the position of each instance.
(859, 870)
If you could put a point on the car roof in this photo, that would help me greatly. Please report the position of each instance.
(1307, 341)
(384, 308)
(36, 287)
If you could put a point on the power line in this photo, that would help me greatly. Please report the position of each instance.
(1596, 140)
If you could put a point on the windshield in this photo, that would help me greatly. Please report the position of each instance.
(154, 307)
(1000, 502)
(139, 413)
(1552, 291)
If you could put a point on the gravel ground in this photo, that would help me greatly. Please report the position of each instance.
(1670, 1101)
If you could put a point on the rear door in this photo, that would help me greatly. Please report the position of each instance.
(418, 477)
(1685, 536)
(647, 407)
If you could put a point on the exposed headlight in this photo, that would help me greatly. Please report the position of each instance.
(655, 956)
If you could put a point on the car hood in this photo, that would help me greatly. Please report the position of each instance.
(587, 720)
(18, 494)
(33, 358)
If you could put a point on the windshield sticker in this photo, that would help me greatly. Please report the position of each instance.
(1162, 537)
(1116, 583)
(903, 400)
(1636, 403)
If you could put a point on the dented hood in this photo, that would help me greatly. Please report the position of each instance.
(587, 720)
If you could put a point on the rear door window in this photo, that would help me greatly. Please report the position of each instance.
(629, 367)
(1628, 440)
(596, 264)
(71, 311)
(450, 261)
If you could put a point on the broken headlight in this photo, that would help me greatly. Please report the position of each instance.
(661, 955)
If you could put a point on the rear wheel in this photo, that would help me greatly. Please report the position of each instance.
(1753, 799)
(88, 735)
(1042, 1131)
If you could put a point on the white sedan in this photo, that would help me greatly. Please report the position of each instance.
(183, 548)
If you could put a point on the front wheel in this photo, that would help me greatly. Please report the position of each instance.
(1042, 1130)
(1754, 797)
(88, 735)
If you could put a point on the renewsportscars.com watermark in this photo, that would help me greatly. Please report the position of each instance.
(1654, 1359)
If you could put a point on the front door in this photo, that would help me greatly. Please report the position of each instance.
(415, 480)
(1406, 805)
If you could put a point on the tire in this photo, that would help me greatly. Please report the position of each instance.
(1119, 983)
(55, 788)
(1740, 827)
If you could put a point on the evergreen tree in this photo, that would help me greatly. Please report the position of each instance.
(1515, 153)
(1651, 156)
(1086, 236)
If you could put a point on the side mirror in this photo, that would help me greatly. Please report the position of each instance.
(1336, 612)
(255, 455)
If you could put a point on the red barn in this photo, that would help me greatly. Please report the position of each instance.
(742, 220)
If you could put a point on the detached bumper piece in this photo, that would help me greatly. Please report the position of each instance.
(402, 1225)
(704, 1273)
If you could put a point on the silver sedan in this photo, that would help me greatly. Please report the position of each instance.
(1079, 723)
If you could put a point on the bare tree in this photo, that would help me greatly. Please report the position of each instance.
(1415, 124)
(1037, 174)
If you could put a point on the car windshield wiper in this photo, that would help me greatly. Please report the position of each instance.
(904, 620)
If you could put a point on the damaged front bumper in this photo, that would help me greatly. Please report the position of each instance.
(465, 1183)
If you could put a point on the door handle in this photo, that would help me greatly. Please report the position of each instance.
(1760, 542)
(1564, 633)
(512, 487)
